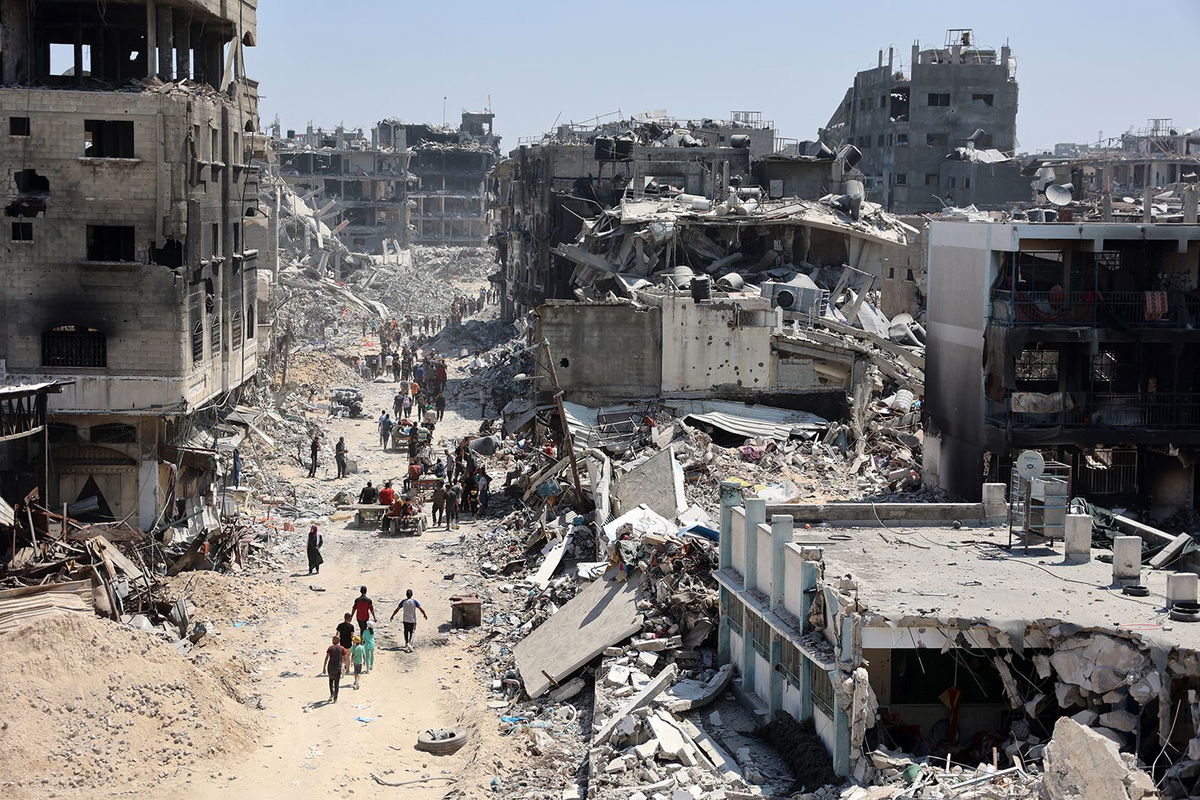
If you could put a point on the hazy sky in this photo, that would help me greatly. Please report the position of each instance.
(1084, 66)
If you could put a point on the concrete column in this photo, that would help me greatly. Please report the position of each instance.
(1147, 202)
(1182, 587)
(151, 38)
(183, 48)
(806, 704)
(731, 495)
(756, 514)
(1127, 559)
(781, 534)
(166, 42)
(995, 507)
(841, 744)
(1078, 537)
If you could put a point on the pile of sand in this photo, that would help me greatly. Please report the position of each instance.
(321, 370)
(228, 598)
(90, 705)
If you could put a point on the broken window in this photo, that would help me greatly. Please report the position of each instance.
(966, 181)
(1109, 471)
(935, 139)
(822, 690)
(901, 139)
(113, 433)
(104, 138)
(72, 346)
(62, 433)
(62, 60)
(197, 318)
(931, 179)
(169, 255)
(938, 99)
(250, 321)
(986, 99)
(22, 231)
(1036, 364)
(953, 182)
(901, 179)
(760, 635)
(789, 662)
(18, 126)
(32, 191)
(110, 243)
(216, 239)
(899, 104)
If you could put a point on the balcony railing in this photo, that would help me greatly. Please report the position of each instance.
(1160, 309)
(1145, 410)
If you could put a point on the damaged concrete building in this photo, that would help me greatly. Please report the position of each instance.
(450, 166)
(541, 195)
(1074, 339)
(905, 642)
(135, 234)
(942, 134)
(360, 184)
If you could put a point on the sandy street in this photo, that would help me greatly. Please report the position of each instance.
(311, 746)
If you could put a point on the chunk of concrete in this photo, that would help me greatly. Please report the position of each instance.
(604, 613)
(1119, 721)
(568, 690)
(1082, 763)
(689, 694)
(641, 699)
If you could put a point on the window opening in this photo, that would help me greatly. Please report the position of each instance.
(72, 346)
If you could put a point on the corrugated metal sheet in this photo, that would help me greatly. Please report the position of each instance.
(8, 517)
(26, 388)
(751, 421)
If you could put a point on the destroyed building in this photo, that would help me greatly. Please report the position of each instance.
(358, 183)
(134, 234)
(1074, 339)
(865, 621)
(543, 192)
(450, 166)
(1150, 173)
(942, 134)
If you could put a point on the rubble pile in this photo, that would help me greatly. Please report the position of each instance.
(425, 281)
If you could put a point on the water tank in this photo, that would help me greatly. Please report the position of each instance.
(701, 288)
(605, 148)
(623, 149)
(739, 141)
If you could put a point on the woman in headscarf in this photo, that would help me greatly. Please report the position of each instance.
(314, 551)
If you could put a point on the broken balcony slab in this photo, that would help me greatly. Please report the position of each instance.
(603, 614)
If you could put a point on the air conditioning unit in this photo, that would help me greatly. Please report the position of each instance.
(799, 295)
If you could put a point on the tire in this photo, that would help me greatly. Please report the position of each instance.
(442, 747)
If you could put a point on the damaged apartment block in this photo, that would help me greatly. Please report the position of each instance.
(135, 231)
(1086, 335)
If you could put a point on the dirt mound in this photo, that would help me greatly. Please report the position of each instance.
(226, 598)
(93, 706)
(320, 371)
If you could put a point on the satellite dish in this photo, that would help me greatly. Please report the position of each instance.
(1030, 465)
(1059, 194)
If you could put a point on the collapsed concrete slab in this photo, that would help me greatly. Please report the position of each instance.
(602, 614)
(1081, 763)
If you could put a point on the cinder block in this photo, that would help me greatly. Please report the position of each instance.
(1127, 559)
(1182, 587)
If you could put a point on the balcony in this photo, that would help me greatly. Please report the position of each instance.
(1080, 410)
(1140, 310)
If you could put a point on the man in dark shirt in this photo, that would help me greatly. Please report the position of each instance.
(364, 609)
(312, 467)
(339, 455)
(369, 495)
(345, 632)
(335, 654)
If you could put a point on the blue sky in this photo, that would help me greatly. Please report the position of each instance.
(1084, 66)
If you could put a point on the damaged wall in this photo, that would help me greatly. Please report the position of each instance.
(607, 351)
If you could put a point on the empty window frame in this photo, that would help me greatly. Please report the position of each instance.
(18, 126)
(22, 231)
(760, 635)
(235, 328)
(789, 662)
(197, 322)
(733, 614)
(110, 243)
(113, 433)
(73, 346)
(938, 99)
(986, 99)
(931, 179)
(106, 138)
(901, 179)
(935, 139)
(901, 139)
(822, 691)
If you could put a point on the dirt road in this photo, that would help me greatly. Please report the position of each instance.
(313, 748)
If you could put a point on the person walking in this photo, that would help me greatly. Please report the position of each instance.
(339, 455)
(385, 430)
(335, 654)
(312, 465)
(398, 405)
(452, 495)
(483, 401)
(345, 633)
(407, 405)
(364, 609)
(358, 655)
(438, 502)
(482, 483)
(314, 551)
(410, 607)
(439, 405)
(368, 638)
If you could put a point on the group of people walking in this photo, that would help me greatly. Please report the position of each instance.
(353, 650)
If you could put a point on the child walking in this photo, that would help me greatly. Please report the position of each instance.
(357, 654)
(368, 640)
